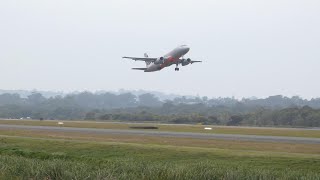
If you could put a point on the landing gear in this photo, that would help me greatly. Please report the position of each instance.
(176, 69)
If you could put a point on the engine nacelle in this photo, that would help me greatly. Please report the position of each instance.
(185, 62)
(160, 60)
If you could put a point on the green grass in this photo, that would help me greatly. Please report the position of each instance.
(26, 158)
(24, 168)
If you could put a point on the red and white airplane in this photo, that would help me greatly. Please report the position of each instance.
(173, 57)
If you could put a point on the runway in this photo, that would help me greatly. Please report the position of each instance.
(236, 137)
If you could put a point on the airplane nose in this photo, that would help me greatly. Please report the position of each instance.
(186, 49)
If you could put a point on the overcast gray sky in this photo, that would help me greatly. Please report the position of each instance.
(249, 47)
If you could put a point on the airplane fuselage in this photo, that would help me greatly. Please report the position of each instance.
(173, 57)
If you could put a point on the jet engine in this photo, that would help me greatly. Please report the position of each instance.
(185, 62)
(160, 60)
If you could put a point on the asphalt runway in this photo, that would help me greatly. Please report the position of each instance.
(236, 137)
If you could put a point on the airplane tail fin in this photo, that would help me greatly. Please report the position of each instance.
(146, 55)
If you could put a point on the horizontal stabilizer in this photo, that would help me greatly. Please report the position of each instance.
(139, 69)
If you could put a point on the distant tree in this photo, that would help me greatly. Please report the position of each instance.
(10, 99)
(127, 100)
(106, 117)
(235, 120)
(213, 120)
(149, 100)
(168, 107)
(36, 98)
(90, 116)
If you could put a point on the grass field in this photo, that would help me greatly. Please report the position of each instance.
(294, 132)
(27, 154)
(67, 159)
(185, 142)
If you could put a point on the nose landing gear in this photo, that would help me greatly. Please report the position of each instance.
(176, 69)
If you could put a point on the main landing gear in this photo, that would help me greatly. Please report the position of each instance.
(176, 69)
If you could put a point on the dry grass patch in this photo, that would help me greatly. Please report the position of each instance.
(172, 141)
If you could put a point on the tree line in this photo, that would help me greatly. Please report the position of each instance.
(271, 111)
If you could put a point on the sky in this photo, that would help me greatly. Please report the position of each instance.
(248, 47)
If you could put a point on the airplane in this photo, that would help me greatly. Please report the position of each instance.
(173, 57)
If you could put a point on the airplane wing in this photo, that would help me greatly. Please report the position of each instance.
(194, 61)
(140, 69)
(146, 59)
